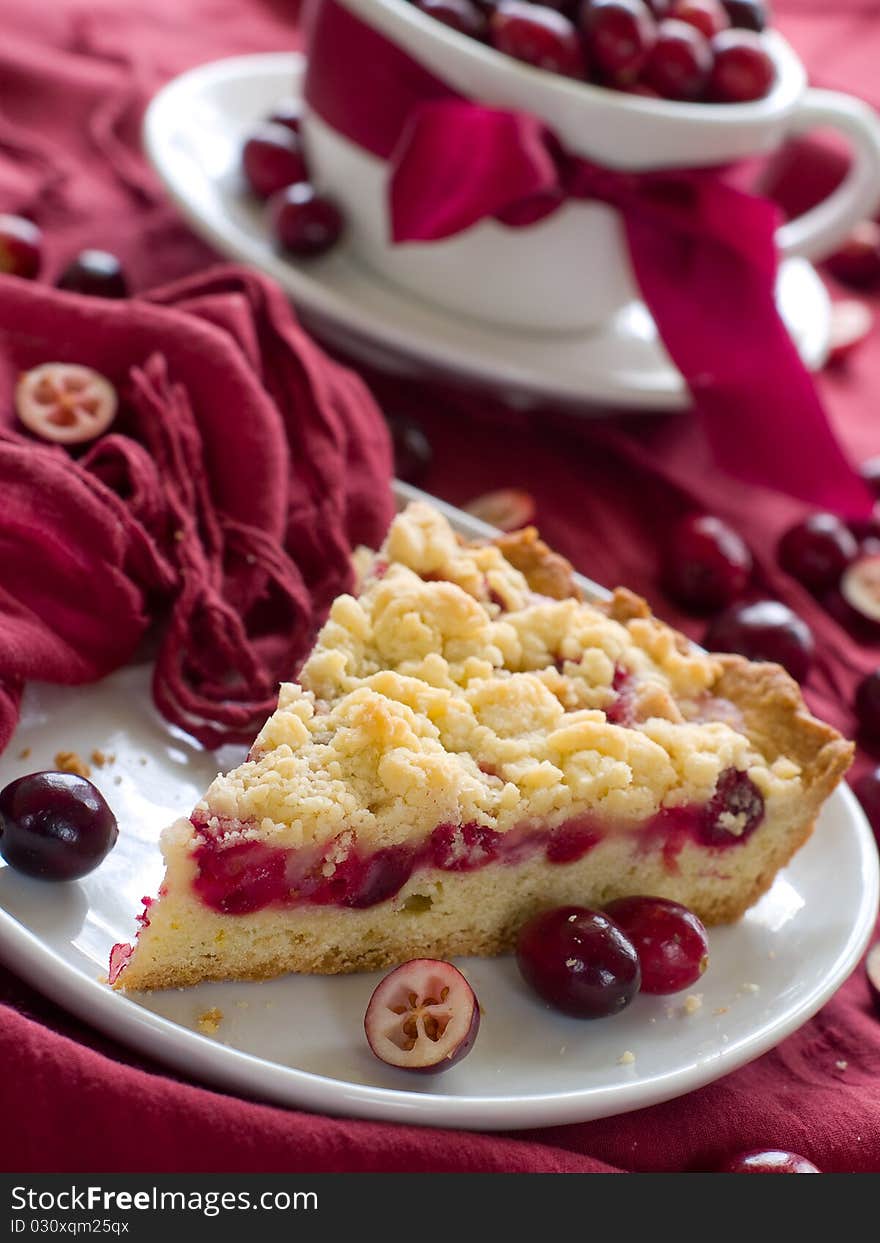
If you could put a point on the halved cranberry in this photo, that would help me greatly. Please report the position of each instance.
(817, 551)
(670, 941)
(65, 403)
(619, 35)
(680, 62)
(272, 158)
(464, 847)
(579, 961)
(764, 630)
(733, 813)
(21, 247)
(768, 1161)
(706, 563)
(538, 36)
(423, 1016)
(856, 262)
(508, 509)
(742, 70)
(707, 16)
(460, 15)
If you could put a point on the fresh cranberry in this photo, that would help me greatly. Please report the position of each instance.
(460, 15)
(412, 449)
(706, 564)
(851, 325)
(867, 705)
(768, 1161)
(423, 1016)
(747, 14)
(680, 61)
(870, 472)
(272, 158)
(867, 791)
(95, 272)
(670, 941)
(375, 878)
(734, 811)
(707, 16)
(619, 36)
(21, 247)
(579, 961)
(508, 509)
(856, 262)
(817, 551)
(538, 36)
(303, 222)
(872, 973)
(56, 826)
(287, 112)
(743, 69)
(764, 630)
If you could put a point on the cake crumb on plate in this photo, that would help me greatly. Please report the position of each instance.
(626, 1058)
(692, 1003)
(209, 1021)
(72, 762)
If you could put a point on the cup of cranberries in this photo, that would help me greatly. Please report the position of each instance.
(711, 51)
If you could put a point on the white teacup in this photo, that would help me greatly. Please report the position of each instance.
(571, 270)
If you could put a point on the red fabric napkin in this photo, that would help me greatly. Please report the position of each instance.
(223, 506)
(73, 74)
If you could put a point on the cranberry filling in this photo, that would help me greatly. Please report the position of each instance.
(621, 711)
(248, 876)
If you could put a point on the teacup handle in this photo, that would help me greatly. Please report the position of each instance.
(819, 231)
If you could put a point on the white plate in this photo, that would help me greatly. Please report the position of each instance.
(299, 1040)
(193, 133)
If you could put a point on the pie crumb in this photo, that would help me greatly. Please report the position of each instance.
(692, 1003)
(720, 1010)
(626, 1058)
(209, 1022)
(24, 753)
(100, 758)
(72, 762)
(750, 988)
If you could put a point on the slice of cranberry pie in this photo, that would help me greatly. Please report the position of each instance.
(471, 741)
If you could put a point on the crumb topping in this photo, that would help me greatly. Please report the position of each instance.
(451, 691)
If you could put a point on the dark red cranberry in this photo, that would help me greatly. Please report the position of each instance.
(460, 15)
(680, 62)
(872, 973)
(272, 158)
(860, 588)
(423, 1016)
(706, 564)
(538, 36)
(21, 247)
(867, 705)
(287, 112)
(303, 222)
(571, 841)
(856, 261)
(734, 811)
(240, 879)
(817, 551)
(764, 630)
(579, 961)
(412, 449)
(95, 272)
(870, 472)
(707, 16)
(56, 826)
(851, 323)
(360, 882)
(747, 14)
(743, 69)
(768, 1161)
(670, 941)
(619, 35)
(867, 791)
(463, 847)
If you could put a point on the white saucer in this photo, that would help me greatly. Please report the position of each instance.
(193, 133)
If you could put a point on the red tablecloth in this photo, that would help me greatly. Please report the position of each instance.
(74, 75)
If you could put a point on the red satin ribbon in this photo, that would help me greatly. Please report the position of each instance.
(703, 252)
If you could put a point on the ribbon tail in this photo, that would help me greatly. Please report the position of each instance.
(712, 297)
(457, 163)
